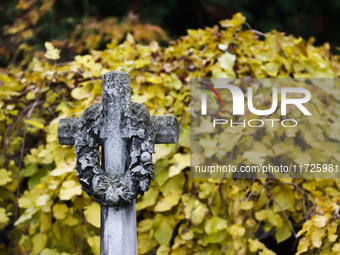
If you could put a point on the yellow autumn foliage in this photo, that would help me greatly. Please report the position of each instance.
(178, 215)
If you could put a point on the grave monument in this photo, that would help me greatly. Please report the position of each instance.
(127, 134)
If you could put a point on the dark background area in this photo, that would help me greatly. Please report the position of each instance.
(304, 18)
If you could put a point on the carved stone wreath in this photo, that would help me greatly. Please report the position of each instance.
(136, 128)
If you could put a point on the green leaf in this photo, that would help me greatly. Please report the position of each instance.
(3, 216)
(283, 233)
(30, 170)
(94, 243)
(48, 251)
(39, 243)
(36, 178)
(164, 228)
(59, 211)
(5, 176)
(92, 214)
(35, 123)
(214, 225)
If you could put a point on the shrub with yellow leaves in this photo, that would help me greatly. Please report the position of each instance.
(178, 215)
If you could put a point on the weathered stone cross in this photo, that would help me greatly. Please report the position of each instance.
(127, 133)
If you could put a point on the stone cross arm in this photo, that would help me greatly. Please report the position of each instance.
(166, 129)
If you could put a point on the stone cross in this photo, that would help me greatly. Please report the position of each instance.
(127, 133)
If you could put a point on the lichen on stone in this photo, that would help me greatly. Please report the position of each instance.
(136, 128)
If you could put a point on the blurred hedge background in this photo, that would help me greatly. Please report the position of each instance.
(53, 54)
(37, 21)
